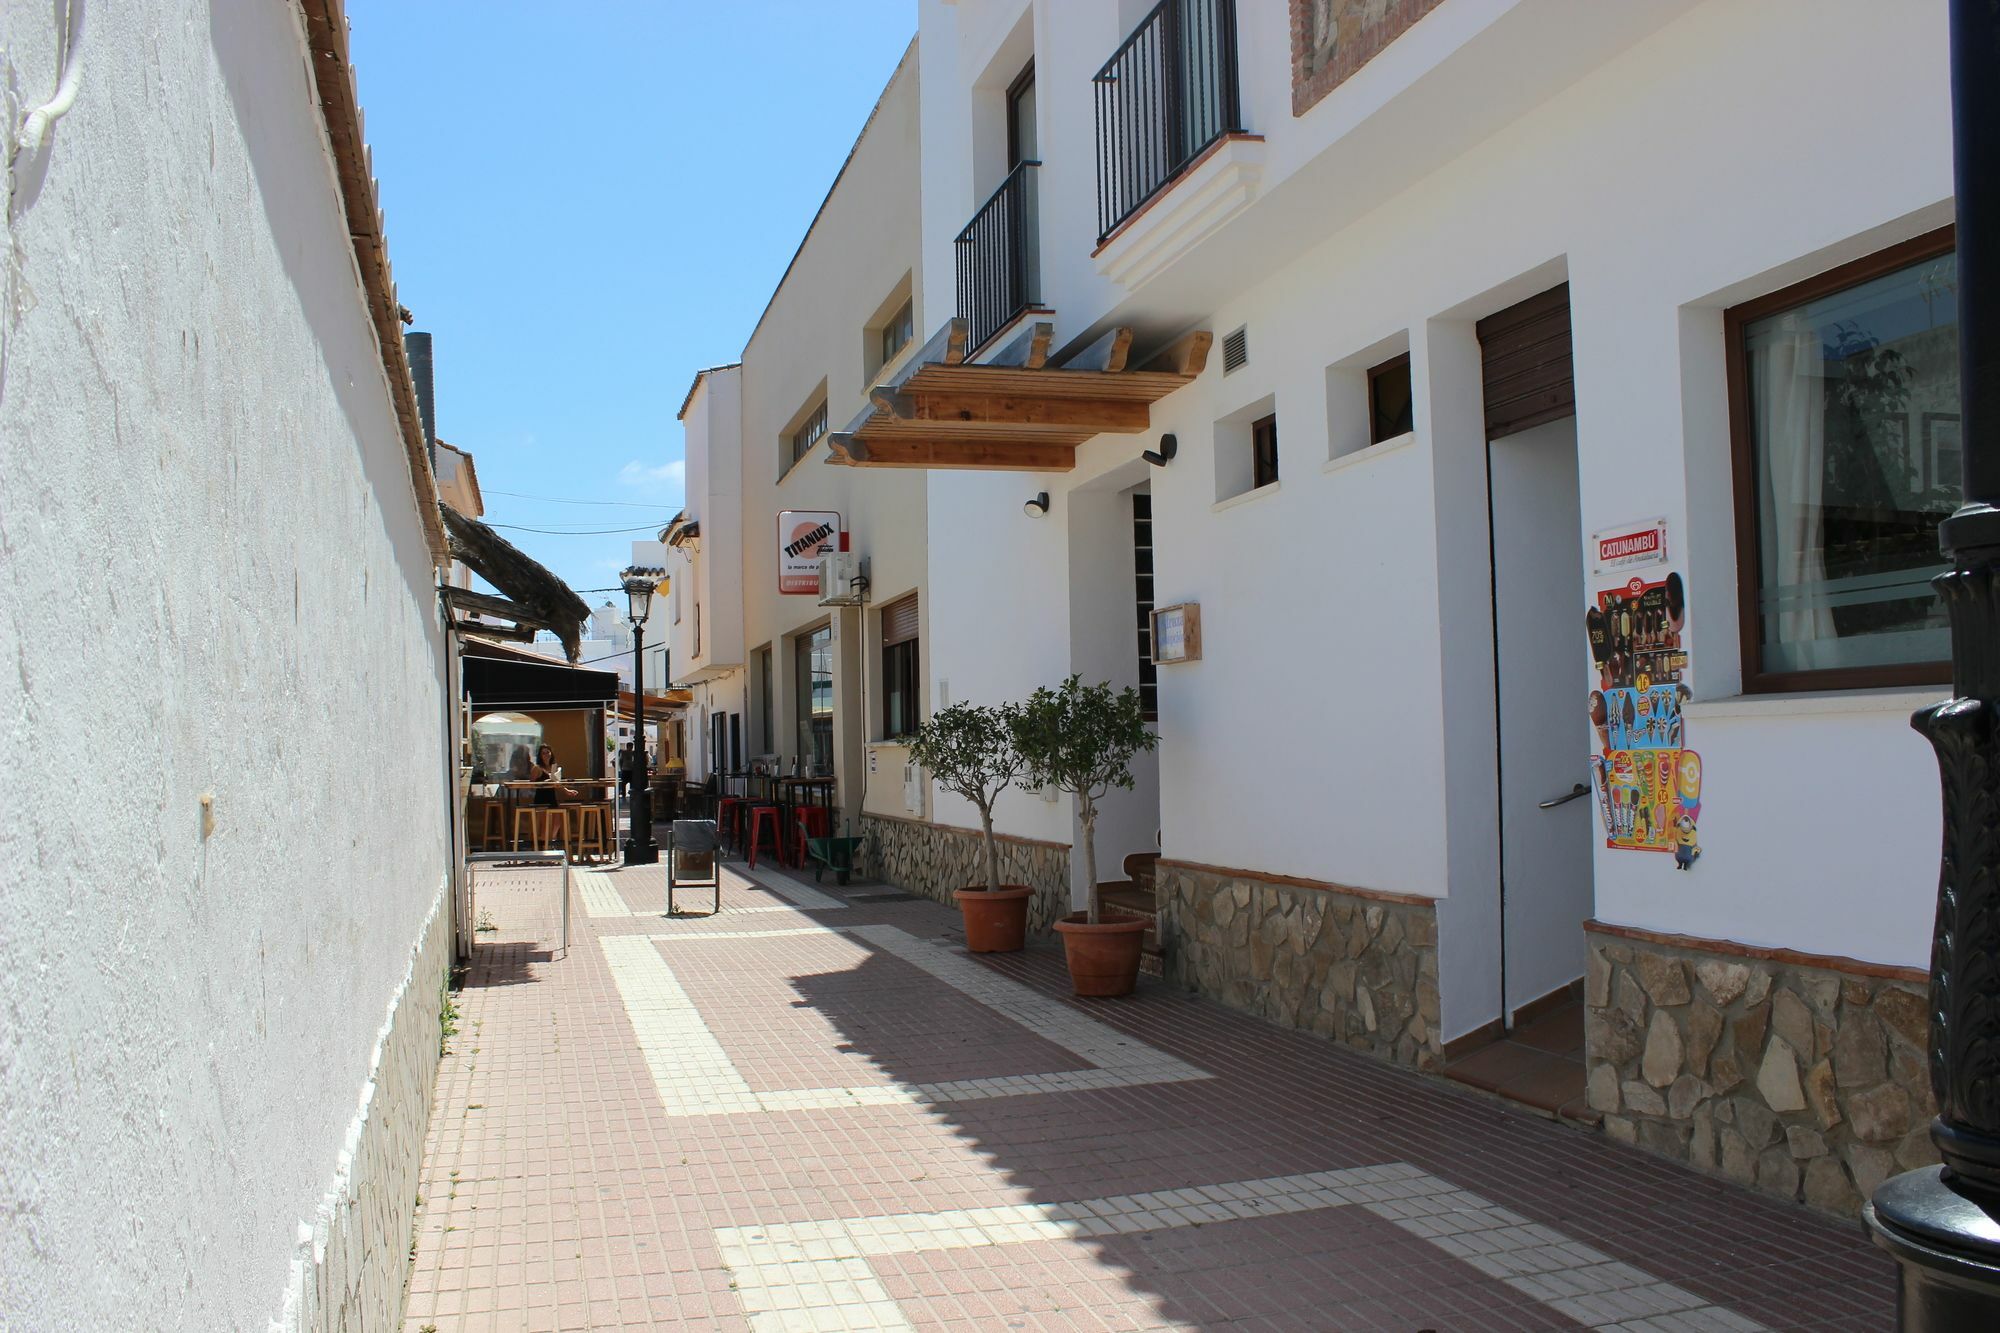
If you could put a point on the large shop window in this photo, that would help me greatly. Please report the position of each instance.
(899, 668)
(813, 669)
(1844, 412)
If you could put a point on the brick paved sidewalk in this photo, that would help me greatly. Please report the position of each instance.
(816, 1111)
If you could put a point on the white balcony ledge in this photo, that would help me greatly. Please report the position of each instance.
(1218, 185)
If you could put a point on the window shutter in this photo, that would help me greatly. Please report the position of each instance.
(1525, 354)
(899, 621)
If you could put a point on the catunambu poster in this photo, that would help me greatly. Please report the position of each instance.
(1648, 781)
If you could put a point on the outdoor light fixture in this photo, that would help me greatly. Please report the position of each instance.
(639, 582)
(1169, 446)
(1038, 506)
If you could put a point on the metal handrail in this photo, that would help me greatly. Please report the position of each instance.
(1169, 91)
(557, 856)
(998, 273)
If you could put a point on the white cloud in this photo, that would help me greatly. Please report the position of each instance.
(643, 479)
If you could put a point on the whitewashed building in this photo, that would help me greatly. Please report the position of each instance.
(781, 674)
(1533, 400)
(227, 907)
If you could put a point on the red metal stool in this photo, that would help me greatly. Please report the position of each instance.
(765, 817)
(727, 810)
(814, 821)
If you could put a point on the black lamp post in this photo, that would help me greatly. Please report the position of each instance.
(640, 849)
(1942, 1223)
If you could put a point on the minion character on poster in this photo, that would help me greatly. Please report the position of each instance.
(1648, 782)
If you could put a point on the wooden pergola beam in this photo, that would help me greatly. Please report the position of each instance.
(465, 599)
(520, 634)
(852, 451)
(1088, 415)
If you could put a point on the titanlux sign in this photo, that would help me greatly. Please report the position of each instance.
(804, 535)
(1631, 546)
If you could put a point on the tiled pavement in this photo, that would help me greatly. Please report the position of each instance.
(815, 1110)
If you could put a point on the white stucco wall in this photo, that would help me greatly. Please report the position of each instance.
(207, 502)
(1340, 724)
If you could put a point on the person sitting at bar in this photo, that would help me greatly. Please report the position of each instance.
(544, 770)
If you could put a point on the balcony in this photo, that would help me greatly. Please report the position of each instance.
(1164, 98)
(999, 271)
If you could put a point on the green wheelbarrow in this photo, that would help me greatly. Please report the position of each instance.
(835, 854)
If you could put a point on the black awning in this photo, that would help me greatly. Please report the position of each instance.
(539, 598)
(500, 682)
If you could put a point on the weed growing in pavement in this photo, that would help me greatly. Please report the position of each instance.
(485, 921)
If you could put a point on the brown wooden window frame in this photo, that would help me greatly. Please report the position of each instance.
(1375, 430)
(1264, 452)
(1756, 680)
(902, 662)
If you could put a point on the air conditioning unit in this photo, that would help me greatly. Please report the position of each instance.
(843, 579)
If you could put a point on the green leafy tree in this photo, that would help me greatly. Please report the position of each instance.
(1081, 739)
(968, 749)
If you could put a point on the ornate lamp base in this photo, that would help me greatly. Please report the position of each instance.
(1947, 1244)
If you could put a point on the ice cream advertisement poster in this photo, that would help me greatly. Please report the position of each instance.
(1648, 782)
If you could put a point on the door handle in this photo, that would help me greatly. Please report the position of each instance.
(1580, 789)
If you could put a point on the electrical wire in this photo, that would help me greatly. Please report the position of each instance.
(550, 499)
(569, 532)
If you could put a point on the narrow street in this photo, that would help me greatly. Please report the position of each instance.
(817, 1111)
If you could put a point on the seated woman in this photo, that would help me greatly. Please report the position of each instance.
(544, 770)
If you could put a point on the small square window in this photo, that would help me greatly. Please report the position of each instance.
(1264, 451)
(808, 434)
(1391, 407)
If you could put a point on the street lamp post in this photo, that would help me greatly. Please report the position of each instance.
(640, 849)
(1942, 1223)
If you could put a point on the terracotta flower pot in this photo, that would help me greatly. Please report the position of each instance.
(1104, 958)
(996, 920)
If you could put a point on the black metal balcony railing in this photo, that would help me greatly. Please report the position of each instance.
(1167, 94)
(998, 272)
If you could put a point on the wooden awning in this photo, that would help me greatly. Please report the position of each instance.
(534, 598)
(1015, 413)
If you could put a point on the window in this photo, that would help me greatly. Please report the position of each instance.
(697, 629)
(896, 334)
(1263, 451)
(901, 680)
(807, 433)
(1844, 415)
(1391, 409)
(812, 666)
(1021, 119)
(1142, 566)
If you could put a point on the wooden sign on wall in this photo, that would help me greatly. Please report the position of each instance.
(1177, 633)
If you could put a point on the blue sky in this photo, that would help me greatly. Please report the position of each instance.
(588, 203)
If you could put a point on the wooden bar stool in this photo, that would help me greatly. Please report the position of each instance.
(764, 817)
(554, 823)
(493, 826)
(591, 840)
(529, 817)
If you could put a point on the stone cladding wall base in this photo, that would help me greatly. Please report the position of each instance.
(1806, 1080)
(937, 860)
(1348, 966)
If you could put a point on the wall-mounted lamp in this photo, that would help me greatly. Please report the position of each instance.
(1037, 506)
(1169, 446)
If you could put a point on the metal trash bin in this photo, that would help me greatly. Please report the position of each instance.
(691, 860)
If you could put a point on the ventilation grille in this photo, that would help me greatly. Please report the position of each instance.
(1235, 350)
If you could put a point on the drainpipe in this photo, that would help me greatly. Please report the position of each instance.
(1942, 1223)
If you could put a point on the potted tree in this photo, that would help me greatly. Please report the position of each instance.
(1080, 739)
(968, 749)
